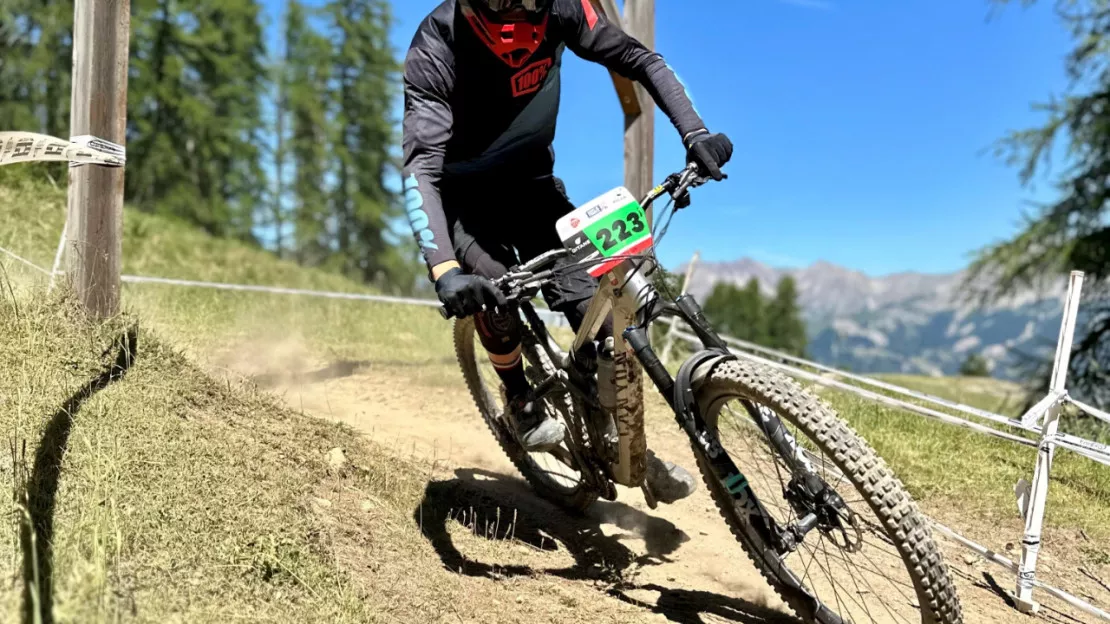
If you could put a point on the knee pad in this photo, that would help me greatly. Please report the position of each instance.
(499, 331)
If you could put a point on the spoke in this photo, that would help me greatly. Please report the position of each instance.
(813, 555)
(871, 588)
(813, 558)
(860, 593)
(836, 594)
(564, 456)
(754, 454)
(909, 599)
(875, 569)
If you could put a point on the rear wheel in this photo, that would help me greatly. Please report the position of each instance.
(872, 559)
(554, 475)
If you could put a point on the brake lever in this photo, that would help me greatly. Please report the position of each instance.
(681, 195)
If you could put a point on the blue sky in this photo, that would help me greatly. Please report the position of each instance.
(863, 129)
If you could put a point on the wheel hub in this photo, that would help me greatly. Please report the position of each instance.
(820, 507)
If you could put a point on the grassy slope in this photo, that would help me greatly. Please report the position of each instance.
(184, 496)
(947, 468)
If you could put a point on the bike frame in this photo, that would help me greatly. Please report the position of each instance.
(628, 294)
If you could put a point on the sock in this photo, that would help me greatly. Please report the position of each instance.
(500, 336)
(513, 377)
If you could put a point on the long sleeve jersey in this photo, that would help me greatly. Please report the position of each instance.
(467, 112)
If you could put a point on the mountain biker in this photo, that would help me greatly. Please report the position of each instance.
(482, 86)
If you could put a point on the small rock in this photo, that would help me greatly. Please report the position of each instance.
(970, 559)
(366, 505)
(321, 502)
(337, 459)
(670, 579)
(519, 599)
(703, 533)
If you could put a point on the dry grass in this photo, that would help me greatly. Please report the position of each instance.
(159, 494)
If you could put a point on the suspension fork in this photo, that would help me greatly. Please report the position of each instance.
(706, 445)
(769, 422)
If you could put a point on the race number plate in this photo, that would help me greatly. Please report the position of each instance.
(611, 226)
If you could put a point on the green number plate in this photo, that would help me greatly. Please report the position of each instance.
(622, 231)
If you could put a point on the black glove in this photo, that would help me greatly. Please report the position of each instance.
(710, 152)
(464, 295)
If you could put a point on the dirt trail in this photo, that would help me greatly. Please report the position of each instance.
(681, 553)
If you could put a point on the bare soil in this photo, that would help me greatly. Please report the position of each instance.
(677, 561)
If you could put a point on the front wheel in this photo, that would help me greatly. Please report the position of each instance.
(871, 560)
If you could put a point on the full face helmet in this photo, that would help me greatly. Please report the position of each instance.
(511, 29)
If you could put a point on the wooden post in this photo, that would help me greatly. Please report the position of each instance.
(625, 88)
(639, 130)
(101, 32)
(638, 107)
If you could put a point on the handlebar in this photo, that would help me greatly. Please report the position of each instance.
(676, 184)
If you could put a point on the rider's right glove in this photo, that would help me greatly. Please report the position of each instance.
(710, 152)
(464, 295)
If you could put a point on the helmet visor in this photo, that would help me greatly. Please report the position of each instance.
(503, 6)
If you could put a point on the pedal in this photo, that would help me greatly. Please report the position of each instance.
(543, 387)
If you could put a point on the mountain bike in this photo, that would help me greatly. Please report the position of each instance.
(811, 493)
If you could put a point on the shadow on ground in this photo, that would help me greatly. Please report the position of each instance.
(497, 507)
(41, 487)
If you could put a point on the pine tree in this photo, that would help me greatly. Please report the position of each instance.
(975, 366)
(194, 111)
(753, 311)
(1073, 231)
(739, 313)
(722, 307)
(306, 72)
(36, 56)
(786, 331)
(231, 66)
(364, 78)
(277, 217)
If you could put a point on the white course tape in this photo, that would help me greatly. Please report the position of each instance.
(136, 279)
(25, 261)
(18, 147)
(550, 317)
(98, 145)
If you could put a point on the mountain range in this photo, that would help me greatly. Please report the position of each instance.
(913, 323)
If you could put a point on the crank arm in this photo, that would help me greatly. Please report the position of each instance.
(545, 387)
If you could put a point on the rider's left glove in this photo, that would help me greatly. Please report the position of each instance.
(709, 152)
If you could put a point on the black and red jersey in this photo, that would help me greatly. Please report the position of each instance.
(469, 114)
